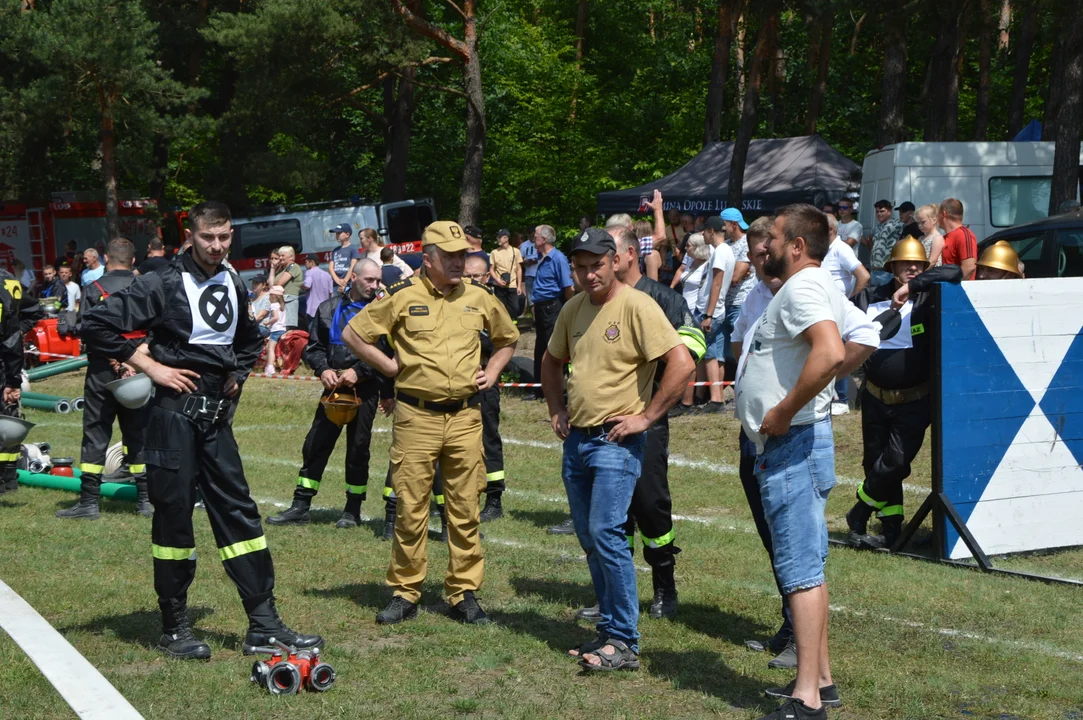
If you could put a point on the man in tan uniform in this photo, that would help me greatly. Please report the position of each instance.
(435, 323)
(506, 272)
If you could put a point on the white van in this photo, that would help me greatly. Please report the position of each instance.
(306, 228)
(1000, 184)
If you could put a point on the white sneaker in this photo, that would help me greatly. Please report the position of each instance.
(838, 408)
(269, 370)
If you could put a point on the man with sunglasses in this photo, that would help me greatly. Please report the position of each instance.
(849, 228)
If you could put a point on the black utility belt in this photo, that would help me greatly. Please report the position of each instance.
(197, 407)
(444, 407)
(593, 430)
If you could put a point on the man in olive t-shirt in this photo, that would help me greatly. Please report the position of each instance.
(614, 337)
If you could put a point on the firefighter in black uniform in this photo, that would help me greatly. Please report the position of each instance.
(101, 408)
(895, 406)
(339, 370)
(652, 506)
(11, 365)
(475, 268)
(202, 346)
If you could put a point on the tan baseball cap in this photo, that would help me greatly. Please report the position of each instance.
(446, 235)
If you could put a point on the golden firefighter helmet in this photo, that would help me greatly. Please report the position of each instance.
(340, 406)
(908, 249)
(1000, 256)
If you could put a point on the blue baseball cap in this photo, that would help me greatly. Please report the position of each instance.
(344, 227)
(734, 215)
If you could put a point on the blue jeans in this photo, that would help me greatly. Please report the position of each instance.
(842, 387)
(600, 477)
(796, 471)
(732, 313)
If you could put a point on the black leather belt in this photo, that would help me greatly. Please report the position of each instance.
(197, 407)
(542, 303)
(897, 397)
(592, 430)
(444, 407)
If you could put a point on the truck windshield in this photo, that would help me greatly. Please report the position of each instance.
(258, 239)
(405, 224)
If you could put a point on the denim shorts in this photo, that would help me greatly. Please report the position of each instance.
(796, 471)
(275, 335)
(716, 341)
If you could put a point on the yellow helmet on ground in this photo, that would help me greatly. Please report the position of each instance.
(340, 406)
(909, 249)
(1000, 256)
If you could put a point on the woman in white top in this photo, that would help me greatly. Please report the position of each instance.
(932, 239)
(692, 277)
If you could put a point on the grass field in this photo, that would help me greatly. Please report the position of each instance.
(909, 639)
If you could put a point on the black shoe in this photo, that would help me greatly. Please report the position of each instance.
(664, 604)
(565, 528)
(829, 695)
(11, 485)
(85, 509)
(442, 537)
(679, 409)
(591, 614)
(142, 500)
(787, 659)
(493, 509)
(468, 611)
(780, 640)
(389, 530)
(348, 520)
(398, 610)
(264, 624)
(857, 518)
(796, 710)
(714, 408)
(296, 514)
(182, 644)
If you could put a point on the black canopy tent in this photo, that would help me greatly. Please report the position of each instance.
(778, 172)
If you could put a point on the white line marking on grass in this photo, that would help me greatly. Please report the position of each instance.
(80, 684)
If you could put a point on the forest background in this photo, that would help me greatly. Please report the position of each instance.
(506, 112)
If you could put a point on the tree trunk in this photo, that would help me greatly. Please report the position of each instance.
(765, 42)
(985, 54)
(1056, 90)
(942, 103)
(776, 81)
(741, 26)
(399, 111)
(580, 44)
(857, 32)
(1023, 48)
(893, 83)
(823, 62)
(1005, 25)
(720, 60)
(109, 168)
(470, 188)
(1069, 111)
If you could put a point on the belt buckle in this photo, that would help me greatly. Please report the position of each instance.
(893, 396)
(221, 410)
(195, 405)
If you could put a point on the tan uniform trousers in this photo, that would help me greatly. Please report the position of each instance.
(421, 438)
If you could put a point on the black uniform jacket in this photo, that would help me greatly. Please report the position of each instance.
(321, 355)
(903, 360)
(196, 321)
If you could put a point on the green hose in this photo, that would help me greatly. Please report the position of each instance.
(43, 371)
(42, 396)
(58, 406)
(117, 491)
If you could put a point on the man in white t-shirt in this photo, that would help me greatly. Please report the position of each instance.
(849, 228)
(850, 278)
(743, 277)
(74, 293)
(783, 402)
(713, 307)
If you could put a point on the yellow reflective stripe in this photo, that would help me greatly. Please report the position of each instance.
(91, 468)
(495, 476)
(388, 492)
(868, 500)
(242, 548)
(308, 483)
(889, 510)
(161, 552)
(9, 457)
(124, 449)
(439, 499)
(357, 489)
(137, 469)
(659, 541)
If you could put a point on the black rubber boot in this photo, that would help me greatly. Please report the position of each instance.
(87, 507)
(890, 530)
(493, 509)
(664, 604)
(443, 524)
(348, 520)
(296, 514)
(9, 479)
(142, 499)
(264, 624)
(389, 520)
(857, 519)
(178, 640)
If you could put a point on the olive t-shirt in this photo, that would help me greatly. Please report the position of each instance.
(613, 349)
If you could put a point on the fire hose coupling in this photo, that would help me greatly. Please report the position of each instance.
(290, 669)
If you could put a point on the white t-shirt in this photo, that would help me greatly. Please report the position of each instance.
(739, 291)
(73, 295)
(856, 326)
(850, 231)
(723, 261)
(841, 262)
(692, 280)
(777, 352)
